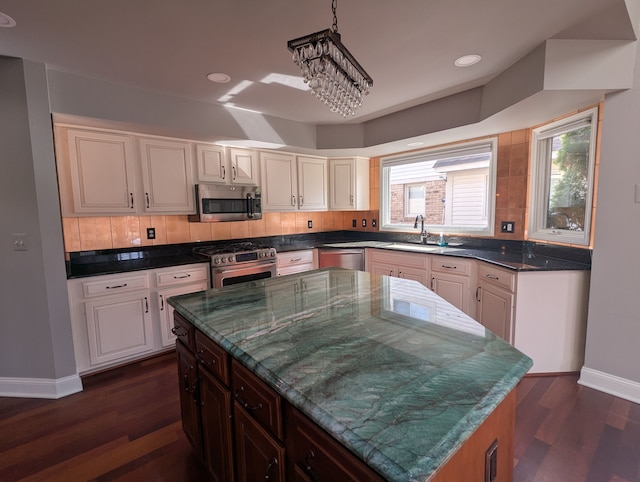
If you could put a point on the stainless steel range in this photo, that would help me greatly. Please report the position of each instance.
(239, 262)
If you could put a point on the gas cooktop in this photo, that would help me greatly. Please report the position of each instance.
(235, 253)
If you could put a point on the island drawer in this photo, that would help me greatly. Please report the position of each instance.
(450, 264)
(212, 357)
(184, 331)
(257, 399)
(497, 276)
(314, 455)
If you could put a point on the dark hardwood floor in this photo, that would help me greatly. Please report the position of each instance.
(125, 426)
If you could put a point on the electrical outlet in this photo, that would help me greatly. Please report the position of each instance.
(364, 223)
(374, 223)
(151, 233)
(310, 224)
(507, 226)
(20, 242)
(354, 223)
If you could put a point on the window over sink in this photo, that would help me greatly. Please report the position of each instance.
(452, 188)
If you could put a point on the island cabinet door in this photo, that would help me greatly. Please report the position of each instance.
(258, 455)
(187, 385)
(312, 455)
(215, 401)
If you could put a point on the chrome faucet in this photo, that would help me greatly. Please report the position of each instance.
(424, 236)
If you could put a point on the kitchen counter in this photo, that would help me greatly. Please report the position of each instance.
(384, 365)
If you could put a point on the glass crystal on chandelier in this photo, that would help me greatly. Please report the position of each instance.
(331, 72)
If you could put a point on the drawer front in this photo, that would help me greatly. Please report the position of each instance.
(212, 357)
(178, 276)
(293, 258)
(450, 264)
(257, 399)
(497, 276)
(314, 455)
(184, 331)
(415, 260)
(114, 286)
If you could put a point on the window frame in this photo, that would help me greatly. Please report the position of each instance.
(407, 203)
(489, 144)
(540, 181)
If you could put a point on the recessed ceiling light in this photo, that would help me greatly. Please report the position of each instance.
(6, 21)
(218, 77)
(467, 60)
(415, 144)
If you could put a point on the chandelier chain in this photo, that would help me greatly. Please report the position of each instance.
(334, 6)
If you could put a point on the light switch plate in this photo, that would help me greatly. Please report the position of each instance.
(507, 226)
(20, 241)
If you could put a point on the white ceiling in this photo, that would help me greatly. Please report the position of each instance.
(407, 46)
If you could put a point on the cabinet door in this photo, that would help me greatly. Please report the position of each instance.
(215, 401)
(166, 310)
(495, 309)
(244, 167)
(187, 386)
(167, 174)
(102, 174)
(454, 289)
(119, 327)
(342, 184)
(312, 183)
(279, 189)
(409, 272)
(258, 455)
(212, 163)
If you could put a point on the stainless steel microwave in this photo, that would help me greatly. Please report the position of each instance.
(227, 203)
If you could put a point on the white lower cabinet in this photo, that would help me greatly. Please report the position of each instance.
(414, 266)
(121, 317)
(452, 279)
(290, 262)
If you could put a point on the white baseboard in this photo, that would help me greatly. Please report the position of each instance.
(620, 387)
(40, 387)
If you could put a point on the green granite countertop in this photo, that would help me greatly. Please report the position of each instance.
(388, 368)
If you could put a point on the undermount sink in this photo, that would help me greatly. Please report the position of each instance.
(416, 247)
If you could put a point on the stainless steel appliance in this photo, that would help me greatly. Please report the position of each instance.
(239, 262)
(350, 258)
(227, 203)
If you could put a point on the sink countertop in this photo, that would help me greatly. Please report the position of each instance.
(514, 261)
(384, 365)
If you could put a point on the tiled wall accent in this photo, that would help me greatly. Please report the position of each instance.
(88, 233)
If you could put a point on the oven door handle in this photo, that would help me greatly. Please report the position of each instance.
(250, 206)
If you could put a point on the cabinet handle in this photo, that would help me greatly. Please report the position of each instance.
(272, 462)
(224, 173)
(307, 465)
(478, 290)
(116, 286)
(200, 357)
(185, 380)
(490, 276)
(351, 199)
(182, 277)
(433, 284)
(390, 272)
(445, 266)
(233, 172)
(161, 302)
(147, 198)
(131, 199)
(293, 201)
(146, 305)
(175, 330)
(301, 201)
(399, 274)
(293, 260)
(245, 404)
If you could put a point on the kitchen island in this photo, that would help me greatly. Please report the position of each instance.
(399, 378)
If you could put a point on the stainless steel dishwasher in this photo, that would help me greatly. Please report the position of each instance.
(350, 258)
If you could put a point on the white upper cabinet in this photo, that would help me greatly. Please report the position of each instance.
(291, 183)
(349, 183)
(167, 175)
(99, 174)
(312, 183)
(220, 165)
